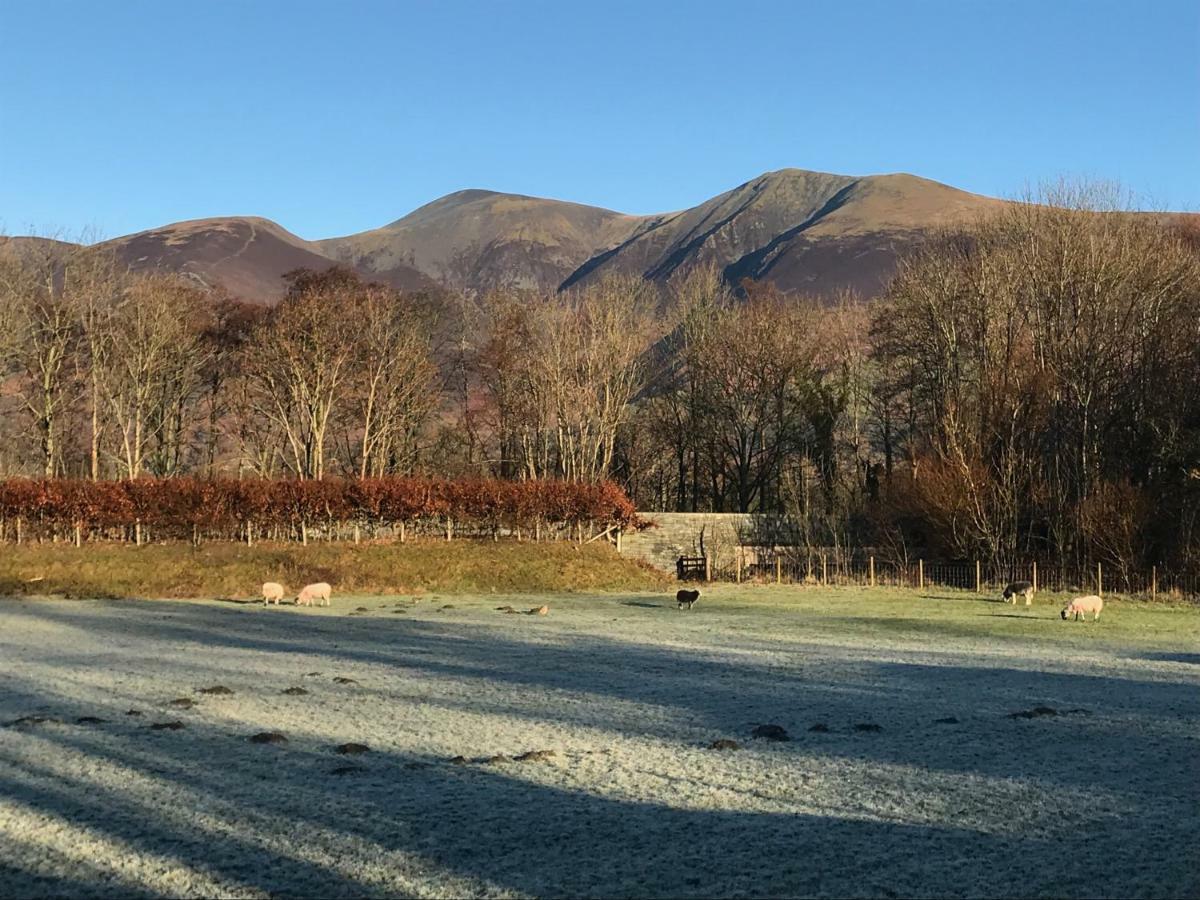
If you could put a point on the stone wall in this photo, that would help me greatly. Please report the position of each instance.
(681, 534)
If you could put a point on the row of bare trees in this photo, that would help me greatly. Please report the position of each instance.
(114, 374)
(558, 376)
(1046, 363)
(86, 340)
(1026, 387)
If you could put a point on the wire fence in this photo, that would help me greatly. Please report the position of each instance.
(789, 565)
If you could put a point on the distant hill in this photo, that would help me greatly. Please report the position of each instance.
(484, 239)
(805, 231)
(246, 256)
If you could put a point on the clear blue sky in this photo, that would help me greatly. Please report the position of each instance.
(336, 117)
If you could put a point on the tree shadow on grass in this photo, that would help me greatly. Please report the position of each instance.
(1166, 656)
(274, 820)
(499, 830)
(642, 689)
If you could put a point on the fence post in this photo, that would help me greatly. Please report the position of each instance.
(1035, 576)
(18, 531)
(872, 571)
(449, 528)
(619, 543)
(707, 569)
(824, 570)
(920, 574)
(778, 569)
(978, 578)
(1153, 582)
(1099, 581)
(737, 564)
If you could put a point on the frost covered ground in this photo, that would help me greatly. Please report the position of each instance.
(1102, 799)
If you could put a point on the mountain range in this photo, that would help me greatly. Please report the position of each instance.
(804, 231)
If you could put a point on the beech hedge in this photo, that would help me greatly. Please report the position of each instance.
(236, 508)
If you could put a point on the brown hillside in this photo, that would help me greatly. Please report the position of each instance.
(485, 239)
(246, 256)
(805, 231)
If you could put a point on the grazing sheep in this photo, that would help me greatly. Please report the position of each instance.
(1082, 605)
(688, 597)
(311, 592)
(1019, 589)
(272, 592)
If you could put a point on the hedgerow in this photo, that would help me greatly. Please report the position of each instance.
(244, 509)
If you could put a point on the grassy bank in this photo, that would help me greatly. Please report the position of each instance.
(236, 571)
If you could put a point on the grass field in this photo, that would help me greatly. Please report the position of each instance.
(876, 793)
(236, 571)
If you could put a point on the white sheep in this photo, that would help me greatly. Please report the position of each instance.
(272, 592)
(311, 592)
(1082, 605)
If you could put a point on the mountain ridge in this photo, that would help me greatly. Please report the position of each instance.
(812, 232)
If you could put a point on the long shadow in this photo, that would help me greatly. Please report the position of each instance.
(497, 829)
(1190, 658)
(718, 696)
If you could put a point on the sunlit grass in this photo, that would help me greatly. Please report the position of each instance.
(924, 615)
(237, 571)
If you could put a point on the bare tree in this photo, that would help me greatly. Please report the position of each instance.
(391, 387)
(45, 338)
(154, 359)
(591, 366)
(99, 282)
(298, 364)
(561, 373)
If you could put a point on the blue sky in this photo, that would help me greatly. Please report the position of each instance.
(335, 117)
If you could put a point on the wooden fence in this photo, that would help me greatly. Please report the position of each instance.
(862, 569)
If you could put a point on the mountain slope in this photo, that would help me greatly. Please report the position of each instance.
(806, 231)
(246, 256)
(485, 239)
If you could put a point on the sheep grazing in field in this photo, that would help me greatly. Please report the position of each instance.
(272, 592)
(311, 592)
(1019, 589)
(1080, 606)
(688, 597)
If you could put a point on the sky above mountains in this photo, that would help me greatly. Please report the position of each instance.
(332, 118)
